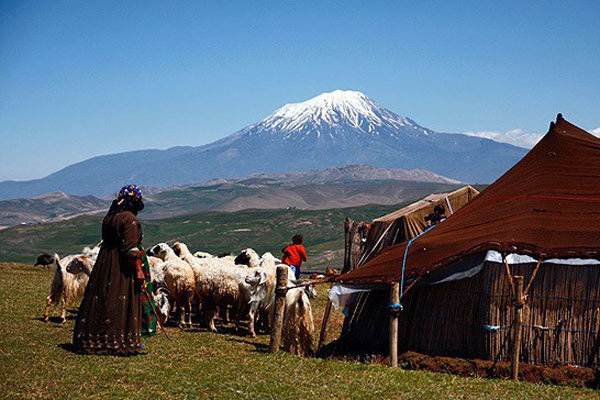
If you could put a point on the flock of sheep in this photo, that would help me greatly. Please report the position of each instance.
(238, 288)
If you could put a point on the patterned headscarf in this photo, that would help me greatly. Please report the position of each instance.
(130, 192)
(129, 198)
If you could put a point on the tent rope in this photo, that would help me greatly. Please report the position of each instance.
(399, 305)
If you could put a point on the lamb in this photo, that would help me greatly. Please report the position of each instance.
(70, 280)
(298, 325)
(163, 307)
(178, 278)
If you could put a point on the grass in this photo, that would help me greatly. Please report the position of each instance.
(215, 232)
(36, 364)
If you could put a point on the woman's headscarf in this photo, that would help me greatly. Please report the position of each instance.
(129, 199)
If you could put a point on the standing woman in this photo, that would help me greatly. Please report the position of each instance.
(115, 311)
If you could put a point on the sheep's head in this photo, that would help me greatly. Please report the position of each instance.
(160, 250)
(268, 260)
(92, 252)
(248, 257)
(258, 286)
(180, 249)
(80, 264)
(258, 278)
(311, 291)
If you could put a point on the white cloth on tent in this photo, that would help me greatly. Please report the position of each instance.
(343, 295)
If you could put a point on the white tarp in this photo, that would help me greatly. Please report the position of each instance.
(342, 295)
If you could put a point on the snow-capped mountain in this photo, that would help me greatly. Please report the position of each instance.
(333, 129)
(331, 116)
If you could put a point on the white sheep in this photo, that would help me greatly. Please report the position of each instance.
(298, 325)
(92, 252)
(157, 275)
(248, 257)
(220, 283)
(70, 279)
(178, 278)
(163, 307)
(217, 283)
(261, 283)
(202, 254)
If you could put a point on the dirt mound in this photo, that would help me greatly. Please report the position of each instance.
(557, 375)
(550, 374)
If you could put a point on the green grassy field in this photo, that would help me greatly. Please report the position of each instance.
(215, 232)
(37, 364)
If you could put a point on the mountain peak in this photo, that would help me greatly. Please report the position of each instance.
(333, 112)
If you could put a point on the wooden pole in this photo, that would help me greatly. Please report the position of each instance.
(518, 302)
(394, 299)
(323, 333)
(280, 292)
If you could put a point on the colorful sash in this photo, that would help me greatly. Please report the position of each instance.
(148, 316)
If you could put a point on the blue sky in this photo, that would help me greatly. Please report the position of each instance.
(79, 79)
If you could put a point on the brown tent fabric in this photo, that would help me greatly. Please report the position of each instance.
(547, 205)
(408, 222)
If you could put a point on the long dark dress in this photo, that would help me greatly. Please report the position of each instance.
(109, 318)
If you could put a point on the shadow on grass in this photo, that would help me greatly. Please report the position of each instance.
(55, 320)
(258, 347)
(71, 348)
(71, 316)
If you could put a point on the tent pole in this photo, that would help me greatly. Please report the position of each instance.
(394, 312)
(323, 333)
(518, 302)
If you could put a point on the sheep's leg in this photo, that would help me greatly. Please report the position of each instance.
(226, 315)
(181, 308)
(251, 324)
(63, 314)
(47, 312)
(189, 306)
(251, 319)
(211, 313)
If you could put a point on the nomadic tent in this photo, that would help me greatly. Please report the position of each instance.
(540, 220)
(408, 222)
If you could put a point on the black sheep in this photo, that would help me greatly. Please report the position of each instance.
(44, 259)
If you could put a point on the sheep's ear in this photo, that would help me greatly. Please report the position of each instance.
(263, 278)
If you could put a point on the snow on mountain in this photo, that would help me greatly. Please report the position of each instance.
(333, 114)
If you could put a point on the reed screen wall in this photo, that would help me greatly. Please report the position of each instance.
(471, 318)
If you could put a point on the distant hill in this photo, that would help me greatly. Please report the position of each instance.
(337, 128)
(48, 207)
(265, 194)
(349, 186)
(215, 232)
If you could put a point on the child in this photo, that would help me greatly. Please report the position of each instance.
(294, 254)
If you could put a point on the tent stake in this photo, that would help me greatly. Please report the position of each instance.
(518, 303)
(394, 299)
(280, 292)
